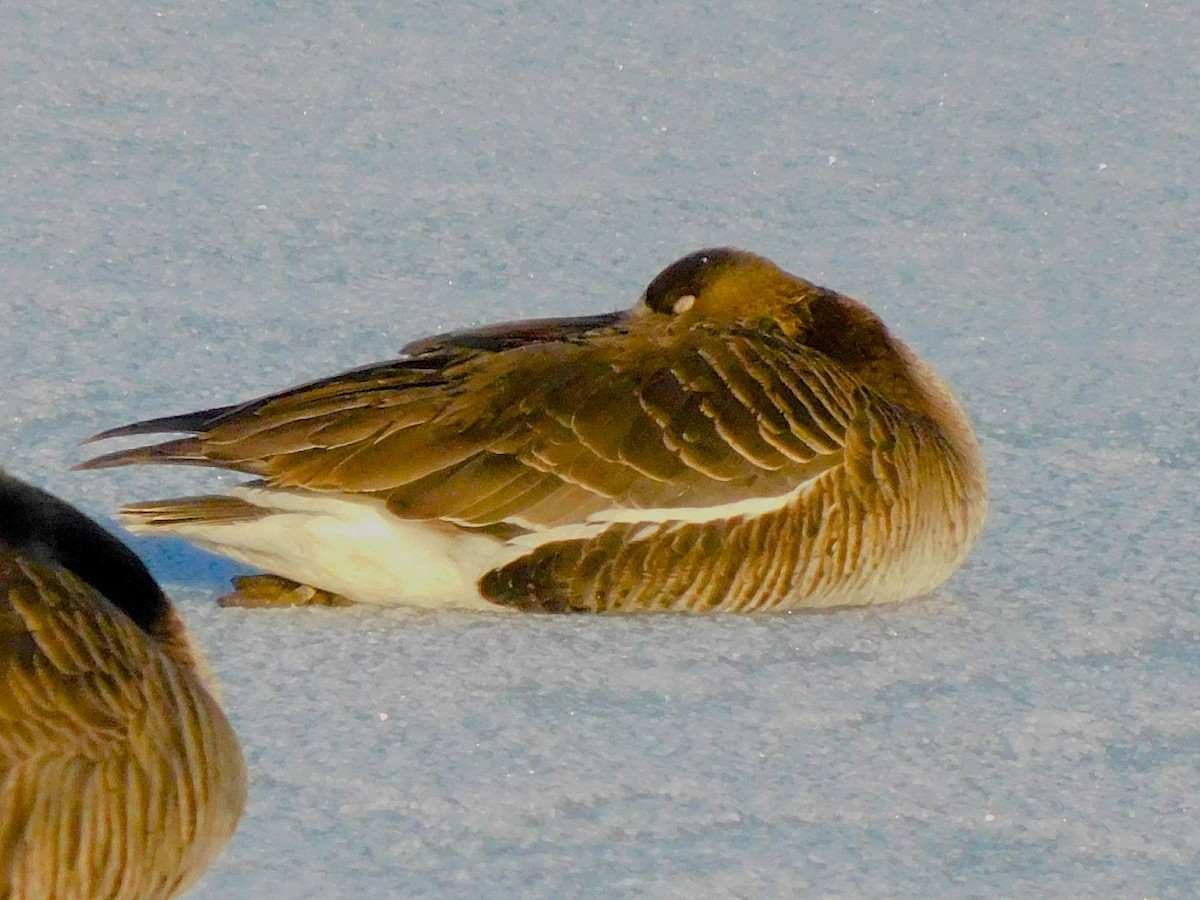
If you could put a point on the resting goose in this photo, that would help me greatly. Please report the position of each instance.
(739, 440)
(120, 776)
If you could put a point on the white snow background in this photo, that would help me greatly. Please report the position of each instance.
(204, 201)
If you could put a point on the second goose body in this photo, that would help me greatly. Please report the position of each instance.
(739, 440)
(120, 776)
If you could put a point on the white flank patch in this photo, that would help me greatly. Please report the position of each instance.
(355, 547)
(755, 506)
(351, 546)
(598, 522)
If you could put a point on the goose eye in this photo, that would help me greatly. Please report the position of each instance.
(683, 304)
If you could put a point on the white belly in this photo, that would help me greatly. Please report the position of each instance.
(351, 546)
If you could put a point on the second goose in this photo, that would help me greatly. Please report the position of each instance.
(120, 776)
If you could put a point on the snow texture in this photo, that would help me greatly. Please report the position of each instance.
(203, 201)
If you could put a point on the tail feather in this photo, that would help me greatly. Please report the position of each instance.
(209, 509)
(193, 423)
(184, 451)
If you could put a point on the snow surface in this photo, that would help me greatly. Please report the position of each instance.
(203, 201)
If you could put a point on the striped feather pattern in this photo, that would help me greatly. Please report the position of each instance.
(120, 776)
(843, 536)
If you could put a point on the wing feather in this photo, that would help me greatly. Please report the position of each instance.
(499, 428)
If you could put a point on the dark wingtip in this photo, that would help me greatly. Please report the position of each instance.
(184, 451)
(107, 461)
(122, 431)
(189, 423)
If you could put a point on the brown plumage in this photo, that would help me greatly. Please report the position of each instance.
(741, 439)
(120, 776)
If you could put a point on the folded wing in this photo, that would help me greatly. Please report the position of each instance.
(483, 428)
